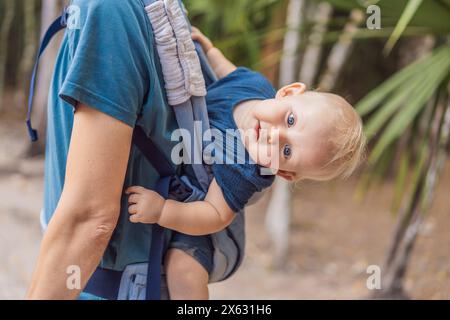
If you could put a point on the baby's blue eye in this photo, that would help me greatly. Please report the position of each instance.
(287, 151)
(291, 120)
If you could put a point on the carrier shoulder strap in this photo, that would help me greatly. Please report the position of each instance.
(186, 71)
(57, 25)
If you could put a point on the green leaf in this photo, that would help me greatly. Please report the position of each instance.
(413, 105)
(410, 10)
(404, 90)
(375, 97)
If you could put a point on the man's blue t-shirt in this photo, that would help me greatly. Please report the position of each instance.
(109, 63)
(238, 180)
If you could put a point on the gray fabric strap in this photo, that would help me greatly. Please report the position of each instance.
(201, 114)
(185, 114)
(185, 87)
(180, 63)
(166, 45)
(192, 115)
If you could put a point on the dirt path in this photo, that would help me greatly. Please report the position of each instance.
(334, 239)
(21, 200)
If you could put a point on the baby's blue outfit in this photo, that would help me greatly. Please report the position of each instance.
(238, 181)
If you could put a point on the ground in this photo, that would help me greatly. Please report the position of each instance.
(334, 238)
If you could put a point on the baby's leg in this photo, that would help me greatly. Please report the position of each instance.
(188, 263)
(186, 277)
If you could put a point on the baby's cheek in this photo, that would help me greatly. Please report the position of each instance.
(315, 160)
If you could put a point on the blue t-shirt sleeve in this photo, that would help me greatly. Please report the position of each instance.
(109, 58)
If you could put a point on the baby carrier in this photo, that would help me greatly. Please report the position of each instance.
(186, 72)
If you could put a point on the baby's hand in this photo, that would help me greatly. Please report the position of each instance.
(198, 36)
(145, 205)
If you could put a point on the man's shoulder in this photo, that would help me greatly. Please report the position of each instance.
(113, 4)
(109, 8)
(114, 20)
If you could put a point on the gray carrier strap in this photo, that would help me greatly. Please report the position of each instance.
(185, 90)
(180, 63)
(189, 60)
(183, 78)
(192, 117)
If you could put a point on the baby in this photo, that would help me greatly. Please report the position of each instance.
(298, 133)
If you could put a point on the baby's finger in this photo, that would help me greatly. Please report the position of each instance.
(132, 209)
(135, 218)
(134, 198)
(134, 189)
(196, 34)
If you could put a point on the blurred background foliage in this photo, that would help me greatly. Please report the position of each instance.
(237, 27)
(19, 34)
(396, 76)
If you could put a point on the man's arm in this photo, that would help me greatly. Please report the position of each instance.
(195, 218)
(88, 209)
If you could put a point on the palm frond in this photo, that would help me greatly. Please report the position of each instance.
(405, 19)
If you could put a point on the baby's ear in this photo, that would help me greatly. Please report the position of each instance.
(293, 89)
(289, 176)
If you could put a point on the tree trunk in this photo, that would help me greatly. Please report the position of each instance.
(313, 52)
(291, 42)
(50, 10)
(278, 220)
(5, 28)
(279, 209)
(410, 51)
(340, 52)
(410, 223)
(273, 43)
(409, 220)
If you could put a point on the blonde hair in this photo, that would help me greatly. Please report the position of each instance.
(347, 141)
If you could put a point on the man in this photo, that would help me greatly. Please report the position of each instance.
(107, 80)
